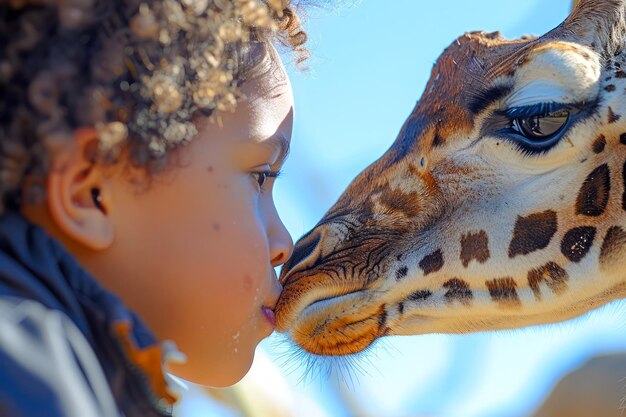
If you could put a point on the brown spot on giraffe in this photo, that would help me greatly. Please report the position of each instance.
(577, 242)
(400, 202)
(432, 263)
(474, 246)
(599, 144)
(612, 116)
(532, 233)
(620, 74)
(593, 196)
(458, 290)
(502, 290)
(613, 247)
(401, 273)
(420, 295)
(610, 88)
(552, 274)
(622, 138)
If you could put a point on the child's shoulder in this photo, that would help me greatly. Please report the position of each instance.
(48, 368)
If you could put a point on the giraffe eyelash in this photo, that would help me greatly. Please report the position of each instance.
(539, 109)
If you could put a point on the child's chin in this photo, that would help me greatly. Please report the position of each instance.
(223, 372)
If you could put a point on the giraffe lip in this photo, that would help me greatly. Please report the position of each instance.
(311, 307)
(340, 325)
(307, 294)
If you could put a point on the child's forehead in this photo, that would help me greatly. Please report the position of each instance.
(268, 77)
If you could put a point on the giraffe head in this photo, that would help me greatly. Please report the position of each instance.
(501, 203)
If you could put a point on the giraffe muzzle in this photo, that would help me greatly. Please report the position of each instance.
(334, 326)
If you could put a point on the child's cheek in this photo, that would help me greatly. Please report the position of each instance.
(238, 243)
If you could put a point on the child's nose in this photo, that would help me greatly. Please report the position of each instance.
(281, 245)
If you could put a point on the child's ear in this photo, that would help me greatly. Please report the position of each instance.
(78, 194)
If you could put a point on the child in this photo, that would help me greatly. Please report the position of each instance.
(140, 141)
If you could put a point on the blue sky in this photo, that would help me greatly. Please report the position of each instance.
(370, 62)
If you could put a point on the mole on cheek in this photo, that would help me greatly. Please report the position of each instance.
(216, 227)
(209, 169)
(247, 282)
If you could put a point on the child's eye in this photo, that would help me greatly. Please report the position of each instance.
(262, 176)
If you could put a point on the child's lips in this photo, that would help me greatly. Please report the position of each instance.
(269, 315)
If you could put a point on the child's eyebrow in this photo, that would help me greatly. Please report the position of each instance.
(279, 143)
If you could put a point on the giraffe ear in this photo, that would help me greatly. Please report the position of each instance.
(599, 23)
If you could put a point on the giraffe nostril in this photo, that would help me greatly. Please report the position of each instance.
(304, 248)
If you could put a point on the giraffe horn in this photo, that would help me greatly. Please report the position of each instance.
(597, 21)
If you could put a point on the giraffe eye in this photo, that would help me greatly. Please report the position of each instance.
(540, 127)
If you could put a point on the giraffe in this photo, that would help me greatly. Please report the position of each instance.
(501, 203)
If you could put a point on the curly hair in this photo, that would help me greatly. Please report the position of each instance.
(139, 71)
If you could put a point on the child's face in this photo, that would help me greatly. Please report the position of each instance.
(194, 255)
